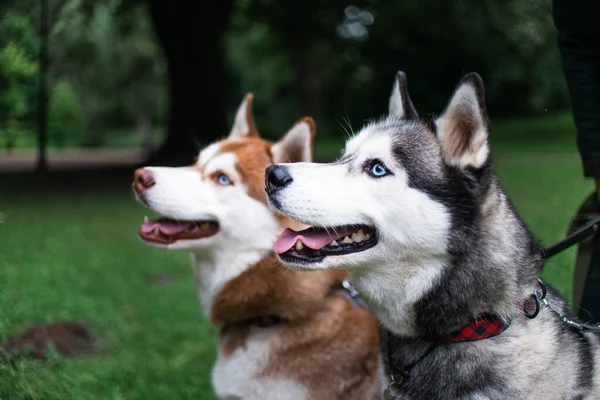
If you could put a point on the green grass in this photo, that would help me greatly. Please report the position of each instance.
(74, 255)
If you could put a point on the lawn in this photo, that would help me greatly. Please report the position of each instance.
(73, 254)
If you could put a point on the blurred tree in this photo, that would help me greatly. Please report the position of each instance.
(66, 125)
(297, 38)
(43, 61)
(105, 50)
(146, 97)
(15, 69)
(336, 60)
(516, 44)
(258, 63)
(332, 59)
(17, 28)
(191, 33)
(511, 44)
(18, 46)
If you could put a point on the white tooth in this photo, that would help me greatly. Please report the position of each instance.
(360, 235)
(334, 243)
(355, 237)
(347, 240)
(146, 219)
(299, 245)
(156, 231)
(367, 235)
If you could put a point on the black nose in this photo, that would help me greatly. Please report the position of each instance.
(276, 177)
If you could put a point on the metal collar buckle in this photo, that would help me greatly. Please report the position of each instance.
(393, 390)
(532, 305)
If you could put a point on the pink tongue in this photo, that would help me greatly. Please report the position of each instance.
(314, 240)
(167, 227)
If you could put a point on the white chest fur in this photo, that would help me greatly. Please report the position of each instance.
(240, 375)
(217, 268)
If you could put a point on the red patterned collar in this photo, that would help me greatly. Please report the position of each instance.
(483, 327)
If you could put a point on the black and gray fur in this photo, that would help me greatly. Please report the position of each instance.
(450, 247)
(493, 264)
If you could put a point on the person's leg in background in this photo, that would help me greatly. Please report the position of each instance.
(578, 25)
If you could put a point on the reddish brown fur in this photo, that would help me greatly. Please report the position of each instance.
(254, 156)
(325, 342)
(267, 288)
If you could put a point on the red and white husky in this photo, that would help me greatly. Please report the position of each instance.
(283, 334)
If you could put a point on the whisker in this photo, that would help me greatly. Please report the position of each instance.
(347, 120)
(345, 132)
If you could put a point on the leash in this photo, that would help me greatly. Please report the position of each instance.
(540, 299)
(579, 235)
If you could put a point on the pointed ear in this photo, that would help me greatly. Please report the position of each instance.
(243, 125)
(463, 128)
(297, 144)
(400, 104)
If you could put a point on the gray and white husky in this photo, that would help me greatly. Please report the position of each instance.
(414, 210)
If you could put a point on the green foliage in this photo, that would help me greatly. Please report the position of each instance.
(516, 42)
(16, 28)
(103, 58)
(66, 124)
(335, 60)
(329, 59)
(109, 56)
(18, 47)
(16, 70)
(14, 63)
(259, 65)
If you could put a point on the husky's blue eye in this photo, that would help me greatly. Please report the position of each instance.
(224, 180)
(378, 170)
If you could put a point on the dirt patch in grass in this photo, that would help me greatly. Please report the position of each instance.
(69, 338)
(162, 279)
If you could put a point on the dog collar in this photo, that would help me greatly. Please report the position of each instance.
(489, 325)
(483, 327)
(352, 294)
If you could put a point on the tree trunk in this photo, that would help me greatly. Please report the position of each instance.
(191, 34)
(43, 87)
(145, 128)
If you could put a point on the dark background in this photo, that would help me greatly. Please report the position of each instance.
(127, 73)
